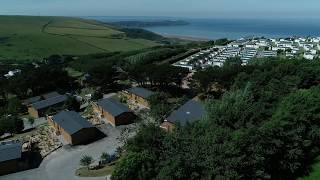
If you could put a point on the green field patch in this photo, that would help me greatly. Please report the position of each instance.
(77, 23)
(118, 44)
(42, 45)
(34, 38)
(81, 32)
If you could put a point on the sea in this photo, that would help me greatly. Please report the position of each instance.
(217, 28)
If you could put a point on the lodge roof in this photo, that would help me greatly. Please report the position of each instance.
(71, 121)
(112, 106)
(187, 113)
(10, 150)
(142, 92)
(49, 102)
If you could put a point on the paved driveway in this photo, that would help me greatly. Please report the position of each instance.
(61, 164)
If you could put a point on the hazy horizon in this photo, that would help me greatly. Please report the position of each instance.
(284, 9)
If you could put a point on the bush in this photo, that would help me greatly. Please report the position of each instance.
(11, 124)
(86, 161)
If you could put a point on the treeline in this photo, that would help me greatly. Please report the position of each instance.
(136, 33)
(9, 120)
(50, 76)
(34, 81)
(265, 125)
(158, 75)
(141, 67)
(156, 55)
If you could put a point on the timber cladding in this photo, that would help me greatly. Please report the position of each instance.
(8, 167)
(33, 112)
(137, 99)
(167, 126)
(39, 108)
(114, 112)
(74, 129)
(138, 95)
(59, 130)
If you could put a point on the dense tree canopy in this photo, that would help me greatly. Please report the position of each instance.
(32, 82)
(10, 124)
(158, 75)
(265, 126)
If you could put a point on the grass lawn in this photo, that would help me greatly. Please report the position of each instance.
(73, 73)
(107, 32)
(85, 172)
(29, 38)
(77, 23)
(111, 44)
(315, 174)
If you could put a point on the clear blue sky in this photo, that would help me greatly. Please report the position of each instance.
(173, 8)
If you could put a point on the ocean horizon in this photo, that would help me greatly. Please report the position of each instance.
(228, 28)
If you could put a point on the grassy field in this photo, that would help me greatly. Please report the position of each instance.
(26, 37)
(117, 44)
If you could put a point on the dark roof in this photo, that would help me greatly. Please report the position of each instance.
(142, 92)
(10, 151)
(112, 106)
(51, 95)
(71, 121)
(189, 112)
(49, 102)
(32, 100)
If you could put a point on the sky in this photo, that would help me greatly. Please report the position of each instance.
(167, 8)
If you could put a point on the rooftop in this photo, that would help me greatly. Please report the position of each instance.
(49, 102)
(188, 113)
(142, 92)
(71, 121)
(114, 107)
(51, 95)
(10, 150)
(32, 100)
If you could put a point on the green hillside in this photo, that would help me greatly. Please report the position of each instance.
(27, 37)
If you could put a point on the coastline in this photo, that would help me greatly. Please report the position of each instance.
(188, 38)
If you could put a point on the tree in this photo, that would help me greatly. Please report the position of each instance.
(97, 95)
(86, 161)
(159, 106)
(158, 75)
(221, 42)
(104, 76)
(31, 121)
(11, 124)
(40, 80)
(134, 166)
(235, 110)
(292, 137)
(217, 79)
(105, 158)
(265, 126)
(14, 106)
(72, 104)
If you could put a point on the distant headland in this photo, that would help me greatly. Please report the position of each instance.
(143, 24)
